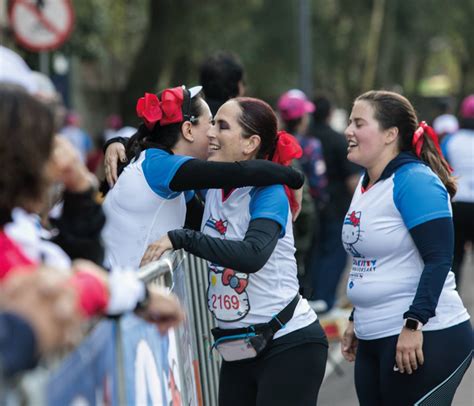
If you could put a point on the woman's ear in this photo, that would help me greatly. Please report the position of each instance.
(252, 144)
(186, 131)
(391, 135)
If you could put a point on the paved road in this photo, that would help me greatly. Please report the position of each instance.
(339, 390)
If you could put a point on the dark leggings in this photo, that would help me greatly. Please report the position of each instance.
(447, 355)
(463, 217)
(289, 376)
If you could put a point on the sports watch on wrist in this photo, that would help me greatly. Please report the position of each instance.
(412, 324)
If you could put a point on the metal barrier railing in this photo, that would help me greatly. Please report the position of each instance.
(197, 312)
(197, 285)
(126, 361)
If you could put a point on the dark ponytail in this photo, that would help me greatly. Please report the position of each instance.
(394, 110)
(429, 151)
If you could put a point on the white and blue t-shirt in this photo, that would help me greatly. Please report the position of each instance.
(458, 149)
(386, 265)
(141, 207)
(237, 299)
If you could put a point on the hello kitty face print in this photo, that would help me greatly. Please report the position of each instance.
(351, 232)
(227, 297)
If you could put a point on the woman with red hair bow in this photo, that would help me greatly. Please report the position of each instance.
(154, 192)
(274, 350)
(409, 332)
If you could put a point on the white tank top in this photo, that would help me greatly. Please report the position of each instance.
(237, 299)
(141, 208)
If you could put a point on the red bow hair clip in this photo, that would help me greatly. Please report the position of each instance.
(167, 111)
(287, 148)
(418, 140)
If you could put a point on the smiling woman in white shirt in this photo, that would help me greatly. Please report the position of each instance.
(409, 333)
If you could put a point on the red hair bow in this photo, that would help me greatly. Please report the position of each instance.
(287, 148)
(418, 139)
(167, 111)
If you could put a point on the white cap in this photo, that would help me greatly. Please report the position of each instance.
(13, 69)
(445, 124)
(45, 86)
(193, 91)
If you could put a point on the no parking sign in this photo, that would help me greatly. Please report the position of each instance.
(41, 25)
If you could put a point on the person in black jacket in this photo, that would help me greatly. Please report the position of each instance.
(222, 78)
(328, 261)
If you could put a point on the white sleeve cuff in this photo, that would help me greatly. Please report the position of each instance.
(125, 290)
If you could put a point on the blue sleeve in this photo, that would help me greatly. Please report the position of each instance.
(419, 195)
(18, 347)
(89, 145)
(159, 168)
(270, 202)
(435, 243)
(444, 145)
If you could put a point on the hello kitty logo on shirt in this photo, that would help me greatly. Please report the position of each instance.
(227, 296)
(219, 225)
(351, 232)
(354, 218)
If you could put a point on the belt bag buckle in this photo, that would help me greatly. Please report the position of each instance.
(239, 348)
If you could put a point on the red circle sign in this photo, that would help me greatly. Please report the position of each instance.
(41, 25)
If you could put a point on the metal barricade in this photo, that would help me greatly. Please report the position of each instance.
(186, 276)
(126, 361)
(202, 321)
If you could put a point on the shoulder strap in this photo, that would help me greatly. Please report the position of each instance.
(277, 322)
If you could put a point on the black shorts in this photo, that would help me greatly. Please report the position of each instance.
(288, 372)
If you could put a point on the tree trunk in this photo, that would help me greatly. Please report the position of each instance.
(141, 77)
(373, 44)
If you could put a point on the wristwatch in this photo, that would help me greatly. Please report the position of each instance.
(412, 324)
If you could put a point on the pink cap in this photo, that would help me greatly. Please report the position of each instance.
(467, 107)
(294, 104)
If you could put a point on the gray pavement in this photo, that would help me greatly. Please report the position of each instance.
(339, 390)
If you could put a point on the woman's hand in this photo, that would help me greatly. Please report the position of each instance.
(45, 300)
(114, 153)
(349, 343)
(65, 166)
(409, 350)
(156, 249)
(163, 309)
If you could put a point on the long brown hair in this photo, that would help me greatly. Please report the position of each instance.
(26, 139)
(394, 110)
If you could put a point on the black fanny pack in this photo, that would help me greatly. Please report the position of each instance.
(248, 342)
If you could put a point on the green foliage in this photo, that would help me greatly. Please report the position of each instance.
(107, 28)
(132, 51)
